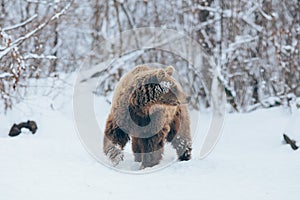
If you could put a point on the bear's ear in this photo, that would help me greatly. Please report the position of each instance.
(170, 70)
(161, 74)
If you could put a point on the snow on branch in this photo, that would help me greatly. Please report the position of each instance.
(239, 41)
(62, 12)
(43, 2)
(21, 39)
(37, 56)
(210, 9)
(20, 24)
(5, 75)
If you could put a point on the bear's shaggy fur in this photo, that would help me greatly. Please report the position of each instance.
(149, 107)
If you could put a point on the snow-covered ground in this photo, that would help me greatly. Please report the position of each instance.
(249, 162)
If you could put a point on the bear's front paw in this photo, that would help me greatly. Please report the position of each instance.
(187, 155)
(115, 155)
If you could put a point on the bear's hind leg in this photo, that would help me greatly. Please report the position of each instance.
(152, 151)
(137, 149)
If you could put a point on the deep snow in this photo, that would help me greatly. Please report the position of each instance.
(249, 162)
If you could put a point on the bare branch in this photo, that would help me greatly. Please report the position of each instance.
(22, 39)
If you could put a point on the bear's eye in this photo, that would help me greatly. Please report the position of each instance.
(165, 86)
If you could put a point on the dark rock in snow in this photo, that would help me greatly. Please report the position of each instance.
(16, 128)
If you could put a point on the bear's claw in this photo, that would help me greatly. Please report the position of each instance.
(187, 155)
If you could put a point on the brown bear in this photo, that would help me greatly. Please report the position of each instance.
(150, 108)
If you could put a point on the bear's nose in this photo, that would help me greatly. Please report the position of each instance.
(188, 99)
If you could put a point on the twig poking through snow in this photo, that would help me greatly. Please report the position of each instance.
(290, 142)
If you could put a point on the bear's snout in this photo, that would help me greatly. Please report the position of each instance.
(184, 99)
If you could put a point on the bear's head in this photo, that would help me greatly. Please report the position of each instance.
(168, 91)
(159, 88)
